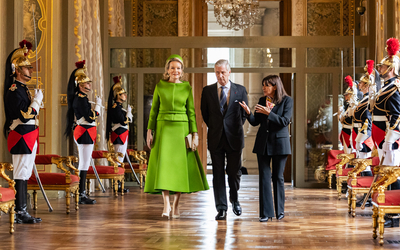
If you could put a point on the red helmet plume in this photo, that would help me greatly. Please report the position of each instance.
(80, 64)
(117, 79)
(370, 66)
(349, 81)
(392, 46)
(25, 43)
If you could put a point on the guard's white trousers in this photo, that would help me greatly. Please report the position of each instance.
(121, 148)
(85, 155)
(23, 164)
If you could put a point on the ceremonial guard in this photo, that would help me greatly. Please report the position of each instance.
(118, 119)
(20, 128)
(362, 123)
(81, 118)
(386, 115)
(386, 111)
(346, 116)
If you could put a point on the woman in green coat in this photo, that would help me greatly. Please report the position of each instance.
(173, 168)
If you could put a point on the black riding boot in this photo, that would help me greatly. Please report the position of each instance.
(21, 214)
(83, 198)
(26, 199)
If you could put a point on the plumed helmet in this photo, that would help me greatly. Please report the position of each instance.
(392, 60)
(350, 89)
(369, 76)
(117, 87)
(19, 57)
(80, 73)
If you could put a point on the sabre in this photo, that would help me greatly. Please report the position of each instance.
(372, 184)
(41, 187)
(133, 171)
(34, 28)
(97, 176)
(37, 85)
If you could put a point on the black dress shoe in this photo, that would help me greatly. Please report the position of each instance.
(84, 199)
(236, 208)
(126, 190)
(391, 222)
(23, 217)
(221, 215)
(265, 219)
(280, 216)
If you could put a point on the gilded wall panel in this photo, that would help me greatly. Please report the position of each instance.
(323, 19)
(160, 18)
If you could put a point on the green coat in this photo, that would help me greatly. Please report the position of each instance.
(172, 166)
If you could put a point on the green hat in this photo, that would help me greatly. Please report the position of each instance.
(176, 56)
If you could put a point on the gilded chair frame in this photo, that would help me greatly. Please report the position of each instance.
(359, 166)
(68, 187)
(8, 206)
(140, 157)
(111, 157)
(389, 175)
(345, 158)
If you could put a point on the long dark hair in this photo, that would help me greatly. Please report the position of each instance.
(280, 92)
(8, 81)
(71, 90)
(109, 107)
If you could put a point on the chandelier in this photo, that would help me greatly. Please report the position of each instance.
(236, 14)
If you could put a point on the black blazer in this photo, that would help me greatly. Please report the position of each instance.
(273, 134)
(231, 123)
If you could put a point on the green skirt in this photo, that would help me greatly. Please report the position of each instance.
(171, 165)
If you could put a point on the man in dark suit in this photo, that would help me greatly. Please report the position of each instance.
(225, 118)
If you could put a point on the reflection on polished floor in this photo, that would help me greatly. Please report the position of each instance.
(314, 219)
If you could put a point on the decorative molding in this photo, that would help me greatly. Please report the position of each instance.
(183, 18)
(134, 17)
(63, 99)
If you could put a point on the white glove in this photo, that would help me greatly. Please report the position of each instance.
(359, 146)
(37, 100)
(97, 106)
(195, 141)
(387, 146)
(129, 112)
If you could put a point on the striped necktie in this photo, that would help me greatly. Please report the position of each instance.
(222, 100)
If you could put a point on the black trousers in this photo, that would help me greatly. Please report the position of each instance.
(233, 164)
(265, 176)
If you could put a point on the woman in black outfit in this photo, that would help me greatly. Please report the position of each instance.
(273, 112)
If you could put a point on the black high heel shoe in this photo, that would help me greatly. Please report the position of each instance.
(265, 219)
(280, 216)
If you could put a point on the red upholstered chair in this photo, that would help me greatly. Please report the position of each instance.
(67, 180)
(331, 162)
(342, 171)
(7, 195)
(384, 201)
(359, 184)
(113, 173)
(139, 164)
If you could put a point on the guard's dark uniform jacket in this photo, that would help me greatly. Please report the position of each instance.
(85, 131)
(347, 124)
(362, 124)
(386, 112)
(23, 130)
(119, 123)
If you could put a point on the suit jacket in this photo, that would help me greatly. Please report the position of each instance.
(273, 134)
(231, 123)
